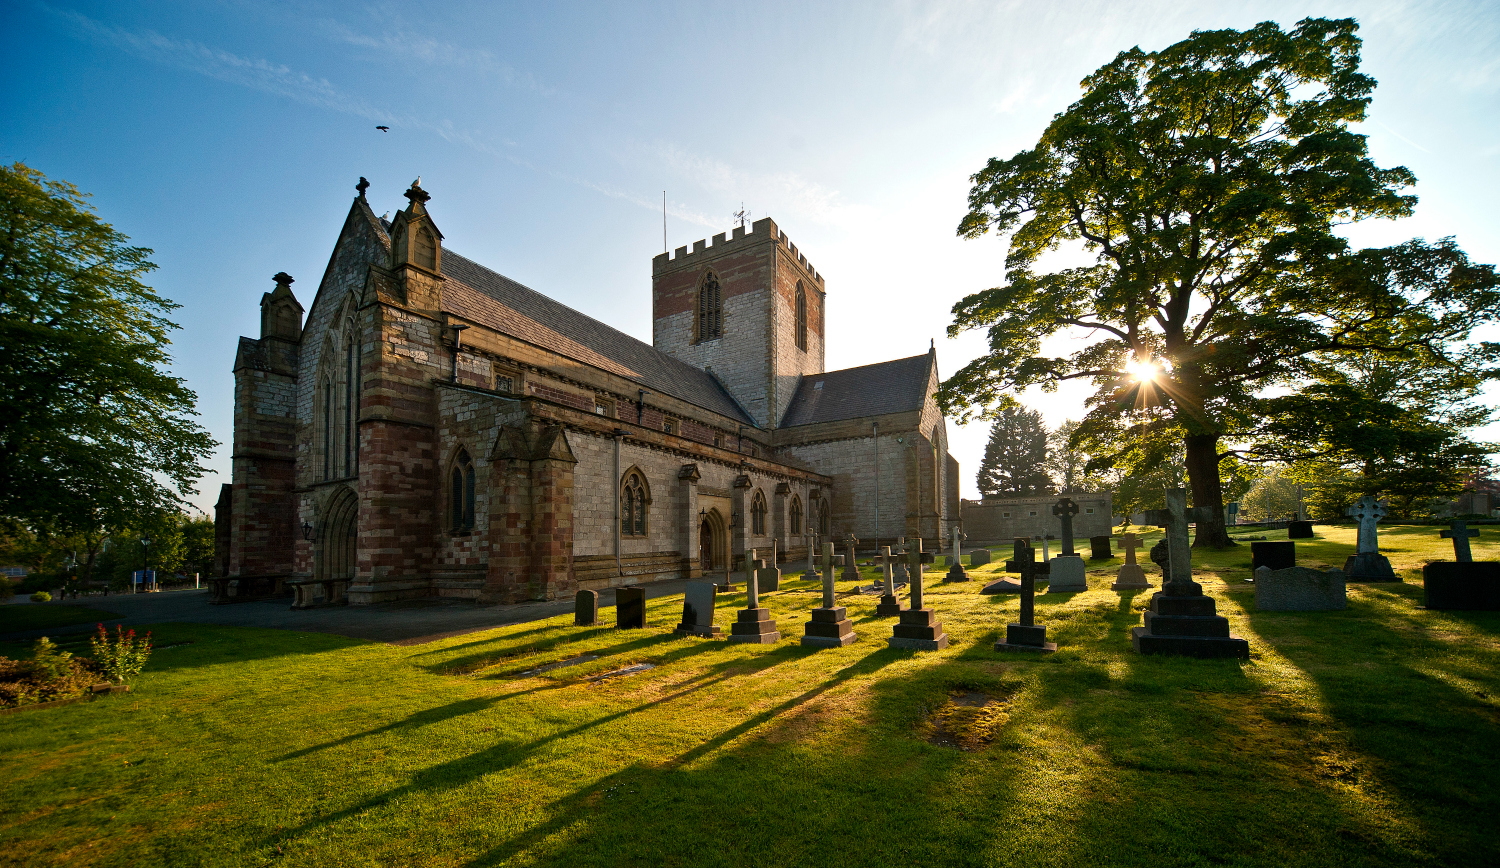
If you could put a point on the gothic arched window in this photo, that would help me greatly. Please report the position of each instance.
(821, 506)
(634, 500)
(796, 516)
(710, 308)
(758, 515)
(351, 402)
(327, 427)
(801, 317)
(461, 493)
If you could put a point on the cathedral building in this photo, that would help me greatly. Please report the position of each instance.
(429, 427)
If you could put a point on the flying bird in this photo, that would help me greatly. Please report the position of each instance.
(384, 129)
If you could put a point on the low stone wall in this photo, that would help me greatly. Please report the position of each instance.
(993, 522)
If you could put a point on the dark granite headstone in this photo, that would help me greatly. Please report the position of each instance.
(1463, 585)
(698, 611)
(1276, 554)
(630, 607)
(1099, 548)
(1026, 635)
(979, 557)
(586, 609)
(1300, 589)
(1299, 530)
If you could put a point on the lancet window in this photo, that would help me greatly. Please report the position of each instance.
(710, 308)
(758, 515)
(461, 493)
(801, 317)
(634, 500)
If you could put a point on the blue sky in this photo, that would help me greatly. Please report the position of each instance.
(228, 136)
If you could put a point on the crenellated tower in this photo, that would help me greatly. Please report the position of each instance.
(748, 308)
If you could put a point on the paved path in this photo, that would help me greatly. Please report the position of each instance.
(410, 622)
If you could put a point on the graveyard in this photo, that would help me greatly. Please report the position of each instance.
(1360, 736)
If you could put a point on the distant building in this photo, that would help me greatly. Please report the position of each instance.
(13, 572)
(1002, 520)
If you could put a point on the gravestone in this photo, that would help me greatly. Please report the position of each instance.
(1160, 555)
(1099, 548)
(1472, 586)
(769, 576)
(1181, 620)
(1065, 509)
(1130, 577)
(979, 557)
(890, 604)
(1299, 530)
(754, 623)
(586, 609)
(830, 627)
(1026, 635)
(851, 568)
(1276, 554)
(811, 574)
(1067, 573)
(1460, 532)
(630, 607)
(900, 567)
(919, 628)
(698, 611)
(1300, 589)
(1367, 564)
(956, 572)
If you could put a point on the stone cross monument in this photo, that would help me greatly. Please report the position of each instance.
(1367, 564)
(919, 628)
(956, 570)
(1131, 576)
(1065, 509)
(1181, 619)
(900, 569)
(754, 623)
(890, 604)
(1460, 535)
(830, 627)
(1066, 573)
(1026, 635)
(851, 569)
(812, 546)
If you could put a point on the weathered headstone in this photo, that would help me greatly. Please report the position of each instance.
(1299, 530)
(630, 607)
(1026, 635)
(1181, 619)
(770, 575)
(979, 557)
(1472, 586)
(1276, 554)
(956, 572)
(919, 628)
(1067, 573)
(1130, 577)
(1460, 532)
(830, 627)
(1300, 589)
(811, 575)
(1065, 509)
(754, 623)
(586, 609)
(1099, 548)
(851, 567)
(1367, 564)
(698, 611)
(890, 604)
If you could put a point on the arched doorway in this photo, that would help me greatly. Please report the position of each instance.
(334, 559)
(711, 543)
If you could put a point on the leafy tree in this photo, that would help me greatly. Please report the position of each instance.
(1207, 181)
(1065, 461)
(95, 434)
(1273, 496)
(1015, 457)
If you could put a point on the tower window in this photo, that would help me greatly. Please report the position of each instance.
(710, 308)
(801, 317)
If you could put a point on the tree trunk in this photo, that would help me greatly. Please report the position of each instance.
(1202, 458)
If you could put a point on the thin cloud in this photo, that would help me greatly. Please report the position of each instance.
(423, 49)
(786, 189)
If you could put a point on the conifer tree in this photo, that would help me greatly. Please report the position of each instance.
(1015, 457)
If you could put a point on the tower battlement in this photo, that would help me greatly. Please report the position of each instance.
(759, 232)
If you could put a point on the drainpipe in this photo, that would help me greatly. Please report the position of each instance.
(458, 331)
(620, 434)
(875, 427)
(640, 406)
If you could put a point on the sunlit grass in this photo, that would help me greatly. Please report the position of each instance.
(1358, 737)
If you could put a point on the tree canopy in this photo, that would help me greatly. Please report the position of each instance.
(95, 432)
(1208, 182)
(1015, 457)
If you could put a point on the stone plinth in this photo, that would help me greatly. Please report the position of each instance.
(630, 607)
(698, 611)
(1300, 589)
(586, 609)
(956, 573)
(1019, 637)
(1276, 554)
(1099, 548)
(919, 630)
(1369, 567)
(1067, 575)
(1130, 578)
(1462, 585)
(1001, 586)
(829, 628)
(1187, 625)
(755, 626)
(1299, 530)
(979, 557)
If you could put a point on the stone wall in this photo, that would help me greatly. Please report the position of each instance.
(1000, 521)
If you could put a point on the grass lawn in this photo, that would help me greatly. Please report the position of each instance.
(1364, 737)
(38, 616)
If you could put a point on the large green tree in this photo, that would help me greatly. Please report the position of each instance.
(1015, 457)
(1207, 182)
(95, 432)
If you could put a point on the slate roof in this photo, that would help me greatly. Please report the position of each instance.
(896, 386)
(478, 294)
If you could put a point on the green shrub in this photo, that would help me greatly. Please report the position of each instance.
(49, 674)
(41, 597)
(48, 661)
(121, 654)
(7, 588)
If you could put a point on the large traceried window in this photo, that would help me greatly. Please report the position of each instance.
(796, 516)
(758, 515)
(328, 429)
(710, 316)
(351, 404)
(461, 493)
(801, 317)
(634, 500)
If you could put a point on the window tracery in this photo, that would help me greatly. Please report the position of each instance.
(635, 498)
